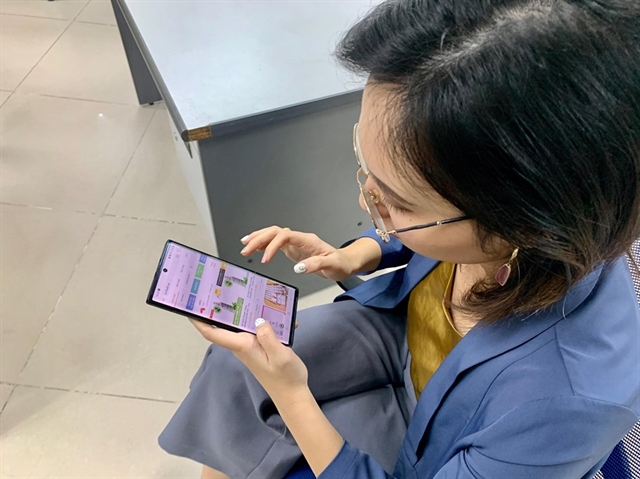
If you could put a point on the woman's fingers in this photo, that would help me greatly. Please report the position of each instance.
(246, 347)
(250, 240)
(259, 240)
(294, 244)
(273, 239)
(233, 341)
(212, 333)
(252, 235)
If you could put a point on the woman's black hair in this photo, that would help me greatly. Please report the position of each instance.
(525, 115)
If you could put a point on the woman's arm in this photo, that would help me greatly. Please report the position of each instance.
(389, 255)
(366, 254)
(321, 444)
(318, 440)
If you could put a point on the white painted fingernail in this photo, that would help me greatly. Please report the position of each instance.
(244, 239)
(300, 268)
(259, 321)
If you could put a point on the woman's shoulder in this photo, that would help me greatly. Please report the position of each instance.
(592, 351)
(600, 341)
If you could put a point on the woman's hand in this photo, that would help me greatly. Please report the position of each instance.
(276, 367)
(284, 376)
(310, 253)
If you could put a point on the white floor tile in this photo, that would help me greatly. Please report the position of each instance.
(103, 337)
(98, 11)
(65, 153)
(153, 185)
(88, 62)
(57, 434)
(39, 250)
(23, 42)
(60, 9)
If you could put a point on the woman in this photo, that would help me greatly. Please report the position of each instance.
(499, 155)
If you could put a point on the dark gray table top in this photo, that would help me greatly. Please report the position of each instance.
(229, 64)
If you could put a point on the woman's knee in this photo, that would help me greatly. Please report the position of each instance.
(220, 366)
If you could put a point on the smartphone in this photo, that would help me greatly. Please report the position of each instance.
(209, 289)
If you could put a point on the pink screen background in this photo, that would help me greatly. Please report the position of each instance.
(210, 288)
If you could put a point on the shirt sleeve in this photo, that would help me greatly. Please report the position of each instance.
(352, 463)
(552, 438)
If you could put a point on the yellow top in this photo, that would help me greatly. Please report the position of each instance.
(430, 332)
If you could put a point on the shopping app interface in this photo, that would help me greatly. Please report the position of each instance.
(208, 287)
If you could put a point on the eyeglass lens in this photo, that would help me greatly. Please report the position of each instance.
(369, 202)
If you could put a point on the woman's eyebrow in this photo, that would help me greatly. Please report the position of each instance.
(389, 193)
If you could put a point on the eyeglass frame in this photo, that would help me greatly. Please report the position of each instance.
(370, 199)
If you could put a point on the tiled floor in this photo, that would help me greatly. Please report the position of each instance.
(89, 374)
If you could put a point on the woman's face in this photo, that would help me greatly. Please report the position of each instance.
(401, 205)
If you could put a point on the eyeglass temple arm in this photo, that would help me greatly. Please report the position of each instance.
(429, 225)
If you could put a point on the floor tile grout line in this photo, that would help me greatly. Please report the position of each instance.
(81, 10)
(45, 208)
(52, 45)
(8, 397)
(36, 16)
(89, 393)
(124, 172)
(73, 271)
(102, 102)
(153, 220)
(96, 23)
(108, 215)
(72, 21)
(51, 18)
(10, 94)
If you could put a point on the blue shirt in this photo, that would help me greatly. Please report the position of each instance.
(546, 396)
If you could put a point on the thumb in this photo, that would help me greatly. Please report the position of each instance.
(267, 338)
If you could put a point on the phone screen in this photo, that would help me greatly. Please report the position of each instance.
(207, 287)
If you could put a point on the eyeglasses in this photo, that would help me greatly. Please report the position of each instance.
(371, 200)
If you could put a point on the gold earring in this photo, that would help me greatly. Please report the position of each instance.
(373, 197)
(504, 271)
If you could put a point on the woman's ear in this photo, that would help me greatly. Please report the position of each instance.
(382, 209)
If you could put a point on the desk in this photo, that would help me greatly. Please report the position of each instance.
(262, 115)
